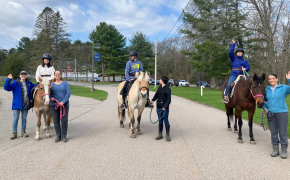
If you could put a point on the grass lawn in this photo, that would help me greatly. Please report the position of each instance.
(213, 97)
(102, 83)
(86, 92)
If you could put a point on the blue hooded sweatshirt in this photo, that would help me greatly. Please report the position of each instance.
(132, 67)
(276, 101)
(237, 62)
(15, 87)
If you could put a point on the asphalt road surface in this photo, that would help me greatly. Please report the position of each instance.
(97, 148)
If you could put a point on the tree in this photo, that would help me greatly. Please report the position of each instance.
(111, 44)
(141, 43)
(23, 43)
(14, 65)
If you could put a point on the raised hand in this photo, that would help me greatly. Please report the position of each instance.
(233, 41)
(10, 76)
(288, 75)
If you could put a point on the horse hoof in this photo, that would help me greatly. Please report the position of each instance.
(122, 126)
(37, 139)
(132, 135)
(48, 136)
(236, 132)
(240, 141)
(229, 129)
(139, 133)
(253, 142)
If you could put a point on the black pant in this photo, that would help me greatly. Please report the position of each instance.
(125, 90)
(60, 130)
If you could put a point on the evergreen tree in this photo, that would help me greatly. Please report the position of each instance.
(141, 43)
(14, 65)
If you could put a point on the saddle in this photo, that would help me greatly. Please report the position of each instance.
(127, 90)
(32, 95)
(233, 85)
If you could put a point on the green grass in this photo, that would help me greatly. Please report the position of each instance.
(2, 84)
(86, 92)
(102, 83)
(213, 97)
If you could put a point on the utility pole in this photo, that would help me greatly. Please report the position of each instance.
(93, 89)
(75, 67)
(155, 63)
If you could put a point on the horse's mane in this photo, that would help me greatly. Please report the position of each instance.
(143, 76)
(45, 81)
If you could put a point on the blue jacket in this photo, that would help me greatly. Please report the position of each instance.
(276, 101)
(132, 67)
(15, 87)
(237, 62)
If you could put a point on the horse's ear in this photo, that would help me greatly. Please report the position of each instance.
(255, 77)
(263, 76)
(40, 80)
(137, 74)
(148, 73)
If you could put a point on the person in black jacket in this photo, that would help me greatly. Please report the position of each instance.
(163, 96)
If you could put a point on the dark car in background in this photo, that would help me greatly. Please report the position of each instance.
(96, 80)
(157, 82)
(170, 82)
(176, 82)
(205, 84)
(199, 83)
(151, 82)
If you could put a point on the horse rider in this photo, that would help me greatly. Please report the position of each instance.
(45, 69)
(239, 64)
(132, 66)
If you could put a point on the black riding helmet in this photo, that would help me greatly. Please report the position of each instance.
(239, 49)
(133, 53)
(47, 56)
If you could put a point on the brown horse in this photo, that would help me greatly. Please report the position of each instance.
(41, 106)
(136, 100)
(247, 95)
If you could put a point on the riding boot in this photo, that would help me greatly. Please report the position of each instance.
(160, 132)
(14, 135)
(123, 105)
(23, 133)
(64, 138)
(167, 133)
(284, 151)
(275, 150)
(57, 139)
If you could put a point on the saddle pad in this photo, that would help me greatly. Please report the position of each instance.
(236, 81)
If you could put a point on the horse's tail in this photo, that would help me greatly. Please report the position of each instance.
(121, 113)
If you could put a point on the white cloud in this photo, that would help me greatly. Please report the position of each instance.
(17, 18)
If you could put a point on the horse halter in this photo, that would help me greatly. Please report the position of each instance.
(258, 95)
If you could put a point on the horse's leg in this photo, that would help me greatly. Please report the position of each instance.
(132, 121)
(129, 116)
(37, 135)
(250, 116)
(48, 115)
(138, 132)
(229, 115)
(236, 125)
(121, 113)
(44, 124)
(239, 116)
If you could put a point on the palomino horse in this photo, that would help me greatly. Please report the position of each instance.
(248, 94)
(41, 106)
(136, 100)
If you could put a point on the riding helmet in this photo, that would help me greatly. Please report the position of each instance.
(133, 53)
(239, 49)
(47, 56)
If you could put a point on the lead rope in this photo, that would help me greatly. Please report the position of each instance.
(159, 112)
(269, 118)
(61, 108)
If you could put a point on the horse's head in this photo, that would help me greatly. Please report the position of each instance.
(44, 89)
(143, 79)
(258, 90)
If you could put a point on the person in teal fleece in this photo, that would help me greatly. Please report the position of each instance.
(20, 88)
(239, 64)
(277, 111)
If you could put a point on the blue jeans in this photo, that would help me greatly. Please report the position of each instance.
(232, 78)
(16, 113)
(164, 118)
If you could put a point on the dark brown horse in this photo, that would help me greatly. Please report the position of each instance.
(247, 95)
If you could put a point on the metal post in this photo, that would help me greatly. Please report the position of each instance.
(155, 63)
(75, 67)
(93, 89)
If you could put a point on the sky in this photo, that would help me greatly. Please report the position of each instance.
(17, 17)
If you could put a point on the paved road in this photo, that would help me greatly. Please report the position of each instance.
(201, 146)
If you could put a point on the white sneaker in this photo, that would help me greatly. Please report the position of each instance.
(225, 100)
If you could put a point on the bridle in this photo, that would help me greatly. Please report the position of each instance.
(42, 94)
(258, 95)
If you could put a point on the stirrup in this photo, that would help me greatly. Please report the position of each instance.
(225, 101)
